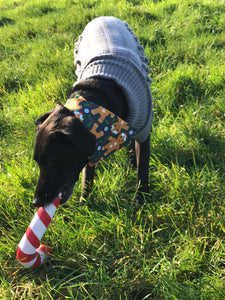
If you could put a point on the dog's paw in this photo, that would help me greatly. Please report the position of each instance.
(141, 198)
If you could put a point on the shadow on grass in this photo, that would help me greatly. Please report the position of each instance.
(6, 21)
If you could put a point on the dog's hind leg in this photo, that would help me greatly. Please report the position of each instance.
(87, 181)
(142, 151)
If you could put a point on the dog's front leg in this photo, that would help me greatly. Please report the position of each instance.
(87, 181)
(142, 151)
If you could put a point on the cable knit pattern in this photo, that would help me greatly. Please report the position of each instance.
(108, 48)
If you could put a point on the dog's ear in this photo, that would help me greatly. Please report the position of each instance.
(42, 118)
(78, 134)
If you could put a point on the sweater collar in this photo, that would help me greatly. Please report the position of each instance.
(111, 132)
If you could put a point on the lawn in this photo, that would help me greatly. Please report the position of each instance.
(173, 246)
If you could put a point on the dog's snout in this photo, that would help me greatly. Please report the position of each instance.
(41, 198)
(41, 202)
(37, 202)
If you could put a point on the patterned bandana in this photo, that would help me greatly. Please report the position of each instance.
(112, 133)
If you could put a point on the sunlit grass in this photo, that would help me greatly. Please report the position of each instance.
(173, 246)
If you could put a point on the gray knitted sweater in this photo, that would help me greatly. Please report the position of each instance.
(108, 48)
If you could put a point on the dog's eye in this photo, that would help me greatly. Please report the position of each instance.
(51, 164)
(55, 166)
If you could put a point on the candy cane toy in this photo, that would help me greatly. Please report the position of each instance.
(28, 252)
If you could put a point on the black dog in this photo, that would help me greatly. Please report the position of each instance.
(63, 144)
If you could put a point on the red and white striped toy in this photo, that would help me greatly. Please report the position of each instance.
(28, 252)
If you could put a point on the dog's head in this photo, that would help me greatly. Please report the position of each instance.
(62, 148)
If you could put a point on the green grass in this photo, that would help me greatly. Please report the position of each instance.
(171, 248)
